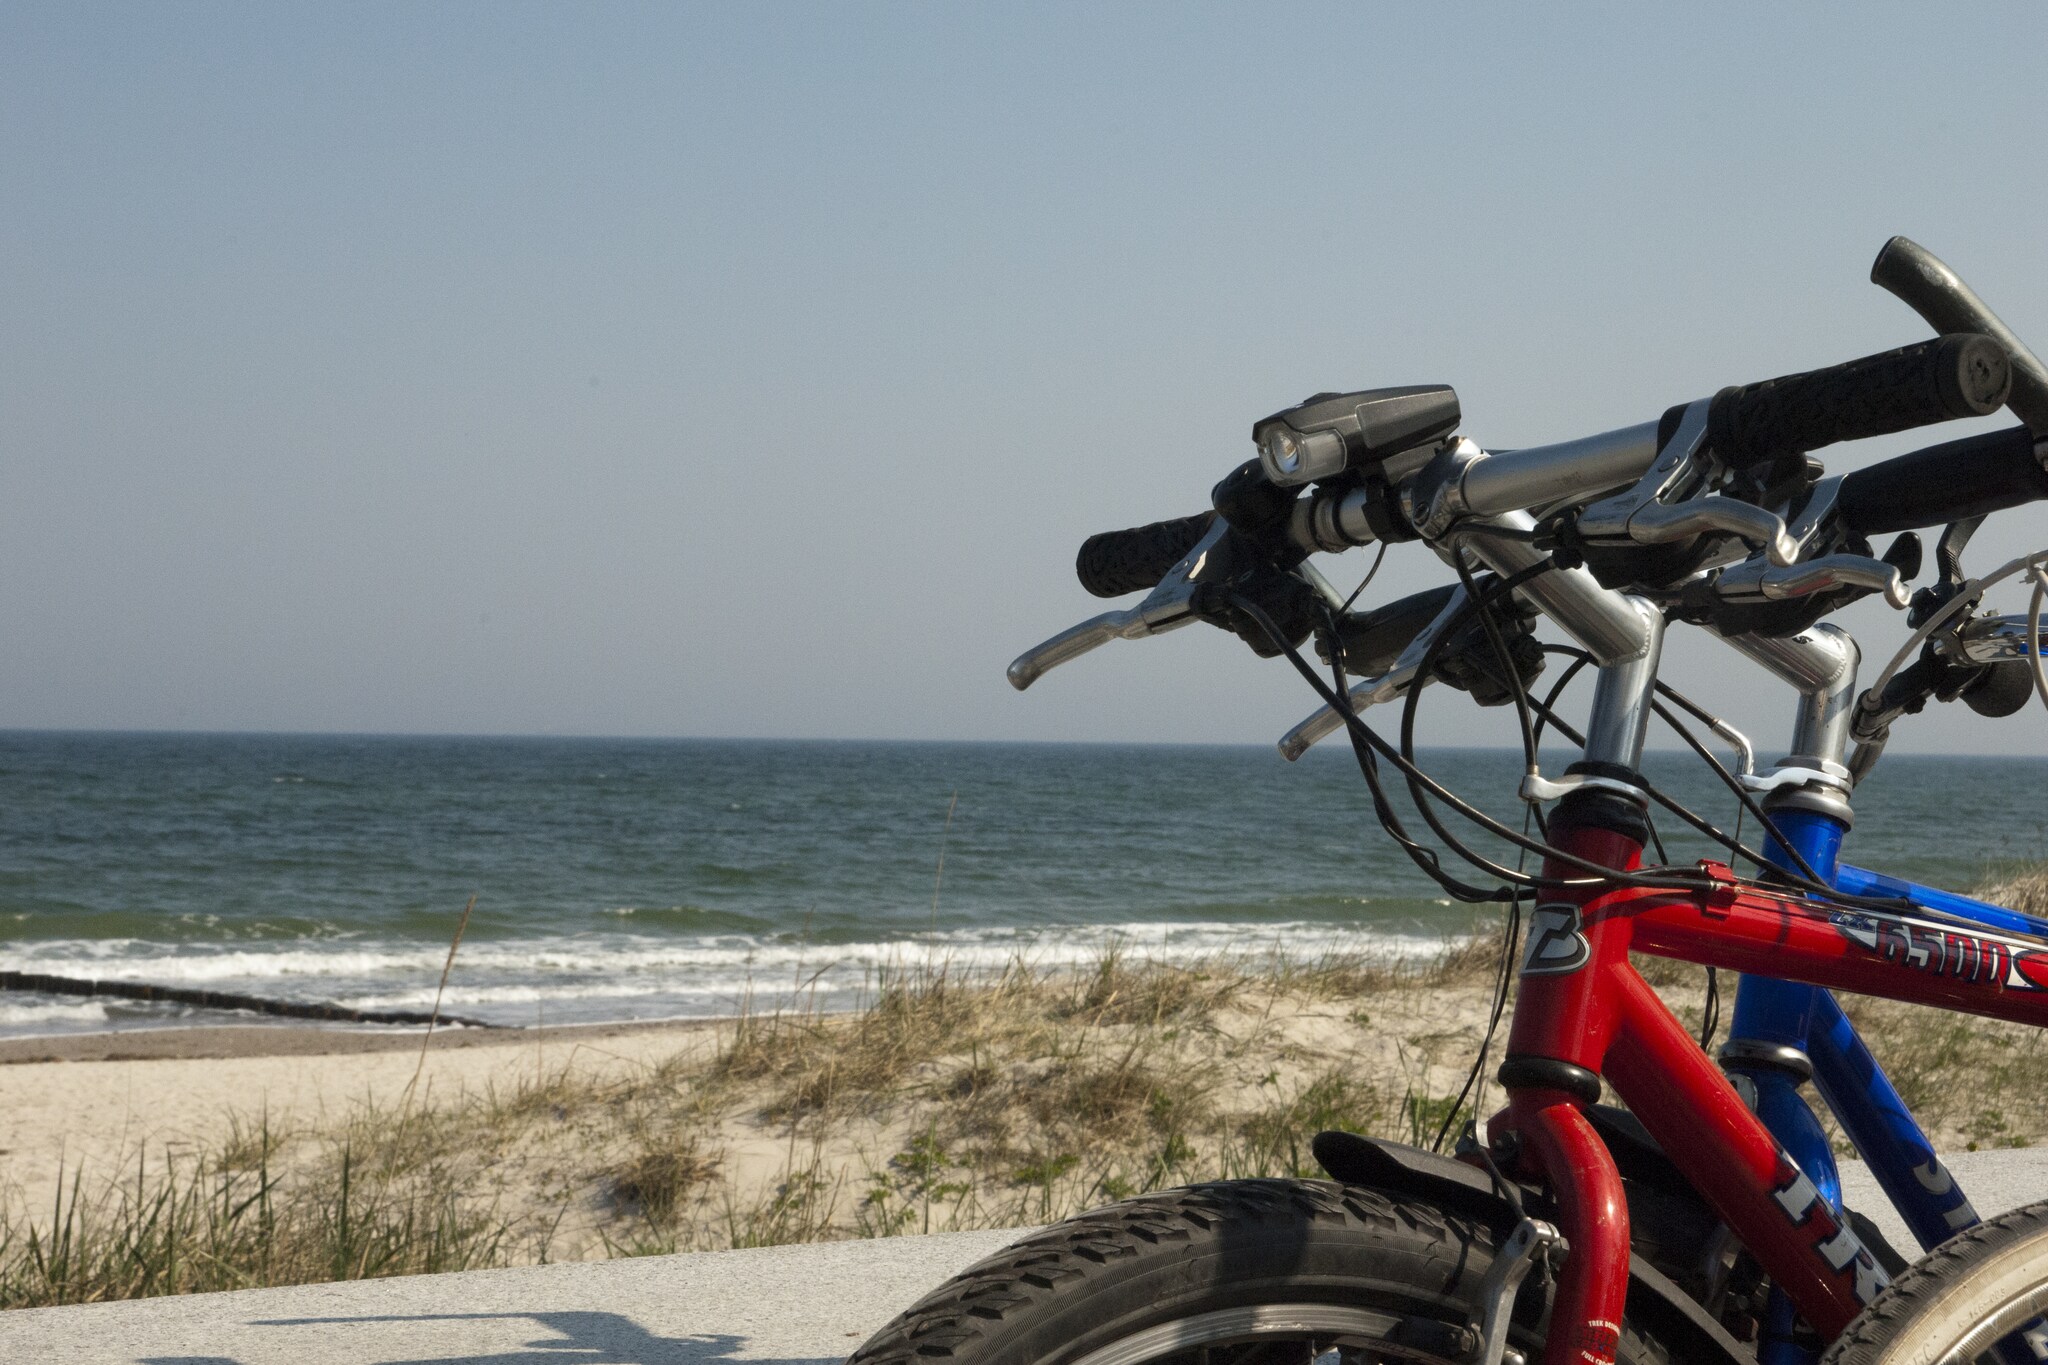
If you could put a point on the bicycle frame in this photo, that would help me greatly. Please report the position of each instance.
(1784, 1015)
(1584, 1012)
(1777, 1015)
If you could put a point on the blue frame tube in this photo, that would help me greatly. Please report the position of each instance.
(1883, 1129)
(1781, 1013)
(1857, 881)
(1849, 1079)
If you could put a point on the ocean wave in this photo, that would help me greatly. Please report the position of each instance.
(459, 999)
(701, 918)
(49, 1013)
(139, 959)
(614, 976)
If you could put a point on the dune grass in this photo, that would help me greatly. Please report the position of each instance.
(947, 1101)
(218, 1224)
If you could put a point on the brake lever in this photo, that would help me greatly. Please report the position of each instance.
(1754, 581)
(1388, 686)
(1168, 606)
(1670, 502)
(1658, 524)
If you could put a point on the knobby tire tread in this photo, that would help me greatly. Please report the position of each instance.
(966, 1318)
(1878, 1332)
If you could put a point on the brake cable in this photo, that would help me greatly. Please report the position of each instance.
(1420, 854)
(1673, 879)
(1813, 882)
(1366, 582)
(1805, 877)
(1480, 603)
(2034, 632)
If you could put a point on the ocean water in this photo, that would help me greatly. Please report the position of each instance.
(622, 879)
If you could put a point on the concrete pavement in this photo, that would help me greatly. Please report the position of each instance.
(804, 1305)
(1995, 1182)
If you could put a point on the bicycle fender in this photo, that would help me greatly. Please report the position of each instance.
(1455, 1185)
(1450, 1183)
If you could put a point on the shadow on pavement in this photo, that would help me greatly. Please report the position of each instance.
(583, 1337)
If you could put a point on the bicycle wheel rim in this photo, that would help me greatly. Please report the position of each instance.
(2014, 1311)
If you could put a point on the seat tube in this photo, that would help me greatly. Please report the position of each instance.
(1564, 1020)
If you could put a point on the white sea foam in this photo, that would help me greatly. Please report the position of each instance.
(623, 975)
(52, 1013)
(134, 959)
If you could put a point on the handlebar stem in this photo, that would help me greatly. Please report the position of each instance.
(1623, 694)
(1821, 663)
(1600, 619)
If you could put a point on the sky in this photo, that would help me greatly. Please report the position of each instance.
(755, 370)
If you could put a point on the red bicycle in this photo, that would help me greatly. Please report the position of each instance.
(1576, 1230)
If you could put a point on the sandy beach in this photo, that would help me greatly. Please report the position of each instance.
(99, 1100)
(1155, 1056)
(943, 1104)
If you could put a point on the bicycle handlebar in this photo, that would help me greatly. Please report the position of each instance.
(1934, 381)
(1927, 286)
(1117, 562)
(1456, 492)
(1963, 375)
(1948, 482)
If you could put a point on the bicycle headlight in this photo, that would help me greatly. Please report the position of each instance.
(1291, 457)
(1322, 436)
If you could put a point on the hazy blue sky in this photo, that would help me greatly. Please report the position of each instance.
(755, 370)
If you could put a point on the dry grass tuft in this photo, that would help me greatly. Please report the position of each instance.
(197, 1225)
(653, 1179)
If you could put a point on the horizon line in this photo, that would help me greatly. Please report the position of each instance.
(617, 738)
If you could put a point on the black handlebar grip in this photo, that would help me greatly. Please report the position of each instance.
(1944, 483)
(1927, 286)
(1116, 562)
(1965, 375)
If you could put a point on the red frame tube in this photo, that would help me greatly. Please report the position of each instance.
(1917, 958)
(1582, 1004)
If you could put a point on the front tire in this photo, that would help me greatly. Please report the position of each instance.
(1266, 1272)
(1957, 1302)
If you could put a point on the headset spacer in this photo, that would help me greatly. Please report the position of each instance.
(1548, 1073)
(1754, 1052)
